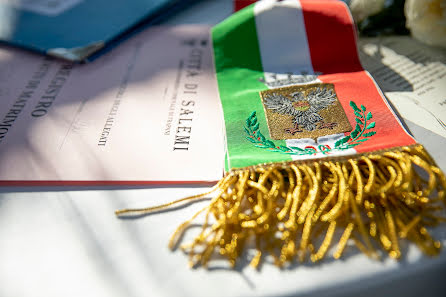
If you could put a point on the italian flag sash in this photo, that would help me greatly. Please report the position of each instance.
(317, 161)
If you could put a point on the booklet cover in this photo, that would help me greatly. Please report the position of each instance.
(148, 112)
(77, 30)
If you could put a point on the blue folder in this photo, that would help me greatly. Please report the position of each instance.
(78, 30)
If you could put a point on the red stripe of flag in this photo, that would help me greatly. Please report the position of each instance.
(331, 36)
(332, 42)
(239, 4)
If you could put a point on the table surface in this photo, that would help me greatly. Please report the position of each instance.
(68, 242)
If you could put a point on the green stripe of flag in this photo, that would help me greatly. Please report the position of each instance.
(238, 66)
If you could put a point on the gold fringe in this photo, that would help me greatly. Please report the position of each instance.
(286, 210)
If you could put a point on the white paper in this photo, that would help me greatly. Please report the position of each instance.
(413, 77)
(147, 111)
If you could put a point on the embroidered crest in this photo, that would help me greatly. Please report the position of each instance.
(361, 134)
(307, 111)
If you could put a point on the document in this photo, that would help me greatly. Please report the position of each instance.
(412, 75)
(147, 112)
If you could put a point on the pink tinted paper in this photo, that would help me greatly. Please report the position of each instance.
(148, 112)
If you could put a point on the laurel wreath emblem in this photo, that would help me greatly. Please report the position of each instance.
(359, 135)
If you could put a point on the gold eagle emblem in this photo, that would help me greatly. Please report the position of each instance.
(307, 111)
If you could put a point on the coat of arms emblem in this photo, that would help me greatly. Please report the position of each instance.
(305, 111)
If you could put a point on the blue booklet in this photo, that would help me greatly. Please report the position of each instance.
(78, 30)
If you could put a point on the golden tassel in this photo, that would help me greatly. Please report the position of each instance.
(286, 209)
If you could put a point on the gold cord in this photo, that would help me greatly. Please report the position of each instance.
(147, 210)
(285, 210)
